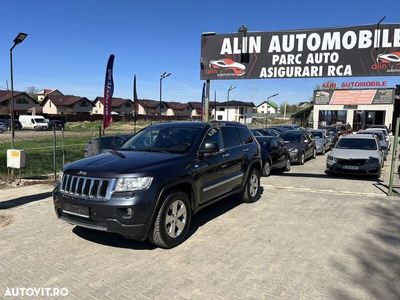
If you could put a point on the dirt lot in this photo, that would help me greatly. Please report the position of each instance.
(309, 236)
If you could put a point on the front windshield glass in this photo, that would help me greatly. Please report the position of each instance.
(357, 144)
(317, 134)
(163, 139)
(291, 137)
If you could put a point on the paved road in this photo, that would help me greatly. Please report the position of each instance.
(309, 236)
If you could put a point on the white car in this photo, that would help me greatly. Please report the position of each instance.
(385, 133)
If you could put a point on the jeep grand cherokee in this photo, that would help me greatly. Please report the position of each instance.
(151, 187)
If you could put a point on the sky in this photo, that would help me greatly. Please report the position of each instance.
(69, 42)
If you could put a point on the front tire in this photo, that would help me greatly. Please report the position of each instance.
(314, 153)
(251, 191)
(287, 164)
(172, 222)
(302, 159)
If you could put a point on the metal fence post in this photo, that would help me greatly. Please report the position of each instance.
(394, 157)
(99, 145)
(62, 146)
(54, 153)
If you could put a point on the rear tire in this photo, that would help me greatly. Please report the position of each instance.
(287, 165)
(172, 222)
(251, 191)
(314, 153)
(267, 168)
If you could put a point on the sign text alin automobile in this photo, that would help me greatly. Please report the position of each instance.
(337, 52)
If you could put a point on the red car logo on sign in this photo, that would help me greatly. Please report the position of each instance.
(228, 67)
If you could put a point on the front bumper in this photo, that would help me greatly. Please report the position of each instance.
(111, 215)
(320, 148)
(366, 169)
(295, 157)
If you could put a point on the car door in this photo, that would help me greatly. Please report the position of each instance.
(274, 153)
(209, 169)
(308, 145)
(282, 149)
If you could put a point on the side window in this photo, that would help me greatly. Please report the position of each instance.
(274, 143)
(245, 136)
(231, 137)
(213, 136)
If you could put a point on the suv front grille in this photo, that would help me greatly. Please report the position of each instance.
(87, 187)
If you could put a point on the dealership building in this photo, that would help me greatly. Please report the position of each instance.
(360, 108)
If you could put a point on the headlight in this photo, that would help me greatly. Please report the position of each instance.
(130, 184)
(373, 160)
(293, 151)
(331, 159)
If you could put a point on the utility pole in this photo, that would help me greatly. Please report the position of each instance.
(206, 109)
(284, 110)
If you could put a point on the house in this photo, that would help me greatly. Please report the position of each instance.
(44, 92)
(151, 107)
(268, 107)
(197, 108)
(118, 105)
(179, 109)
(56, 103)
(234, 110)
(23, 103)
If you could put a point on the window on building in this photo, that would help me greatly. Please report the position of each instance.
(241, 110)
(50, 104)
(221, 109)
(219, 118)
(329, 117)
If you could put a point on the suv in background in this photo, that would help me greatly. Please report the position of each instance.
(156, 181)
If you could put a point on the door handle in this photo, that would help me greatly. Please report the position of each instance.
(226, 155)
(246, 149)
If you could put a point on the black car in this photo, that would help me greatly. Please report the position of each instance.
(56, 124)
(7, 122)
(152, 186)
(264, 132)
(274, 154)
(280, 129)
(301, 145)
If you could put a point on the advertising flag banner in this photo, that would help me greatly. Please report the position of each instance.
(108, 93)
(368, 50)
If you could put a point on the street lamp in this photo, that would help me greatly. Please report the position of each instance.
(266, 116)
(19, 39)
(162, 76)
(227, 111)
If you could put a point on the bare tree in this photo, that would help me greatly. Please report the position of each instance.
(32, 91)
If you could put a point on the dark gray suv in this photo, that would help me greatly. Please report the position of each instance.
(156, 181)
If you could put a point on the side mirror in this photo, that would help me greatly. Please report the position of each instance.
(209, 148)
(383, 147)
(306, 141)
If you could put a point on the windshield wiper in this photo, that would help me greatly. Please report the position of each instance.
(117, 153)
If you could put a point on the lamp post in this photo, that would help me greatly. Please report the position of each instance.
(19, 39)
(266, 116)
(162, 76)
(227, 111)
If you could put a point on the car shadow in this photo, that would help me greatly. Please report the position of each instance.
(324, 175)
(23, 200)
(204, 216)
(377, 271)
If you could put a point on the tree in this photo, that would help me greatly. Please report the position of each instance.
(32, 91)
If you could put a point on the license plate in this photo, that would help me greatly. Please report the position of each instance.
(77, 210)
(350, 167)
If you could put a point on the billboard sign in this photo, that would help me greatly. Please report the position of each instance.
(354, 97)
(334, 52)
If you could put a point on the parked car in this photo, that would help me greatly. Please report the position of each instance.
(380, 127)
(274, 154)
(383, 145)
(265, 132)
(387, 136)
(153, 185)
(322, 143)
(111, 142)
(6, 122)
(280, 129)
(35, 122)
(3, 127)
(56, 124)
(300, 144)
(355, 154)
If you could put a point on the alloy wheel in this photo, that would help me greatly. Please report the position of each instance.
(175, 219)
(253, 185)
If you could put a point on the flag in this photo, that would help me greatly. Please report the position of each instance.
(135, 104)
(108, 92)
(203, 100)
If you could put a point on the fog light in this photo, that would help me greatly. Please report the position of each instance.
(129, 211)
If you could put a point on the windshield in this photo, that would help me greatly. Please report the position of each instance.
(37, 120)
(291, 137)
(317, 134)
(357, 144)
(165, 139)
(378, 134)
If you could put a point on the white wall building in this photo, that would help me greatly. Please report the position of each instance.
(267, 107)
(236, 111)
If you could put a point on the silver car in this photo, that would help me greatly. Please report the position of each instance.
(356, 154)
(322, 142)
(383, 144)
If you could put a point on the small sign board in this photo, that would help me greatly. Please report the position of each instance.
(16, 159)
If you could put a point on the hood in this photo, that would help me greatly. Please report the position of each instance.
(354, 154)
(108, 164)
(293, 145)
